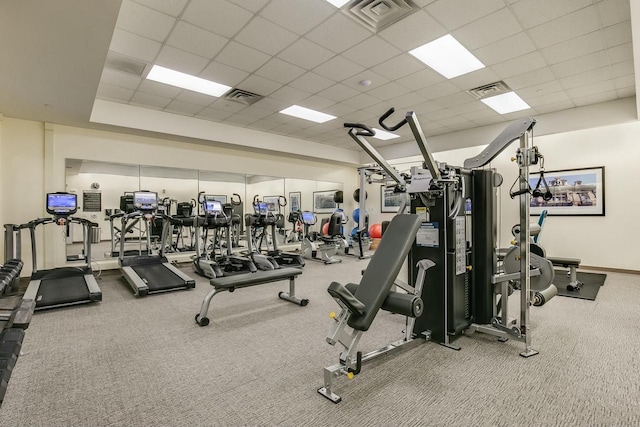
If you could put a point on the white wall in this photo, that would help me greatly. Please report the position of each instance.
(608, 241)
(33, 164)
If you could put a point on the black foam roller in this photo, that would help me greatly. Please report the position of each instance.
(397, 302)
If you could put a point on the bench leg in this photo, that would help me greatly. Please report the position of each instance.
(291, 296)
(201, 318)
(574, 283)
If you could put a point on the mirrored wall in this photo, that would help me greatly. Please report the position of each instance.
(100, 185)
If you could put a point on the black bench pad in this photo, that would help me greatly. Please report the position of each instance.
(257, 278)
(564, 262)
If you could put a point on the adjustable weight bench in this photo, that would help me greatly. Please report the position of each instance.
(360, 303)
(231, 283)
(572, 264)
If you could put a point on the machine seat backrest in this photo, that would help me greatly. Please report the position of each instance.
(335, 223)
(384, 267)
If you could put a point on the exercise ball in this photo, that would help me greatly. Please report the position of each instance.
(356, 195)
(376, 231)
(354, 232)
(356, 215)
(325, 229)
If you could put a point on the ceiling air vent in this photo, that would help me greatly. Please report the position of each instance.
(492, 89)
(242, 96)
(122, 63)
(379, 14)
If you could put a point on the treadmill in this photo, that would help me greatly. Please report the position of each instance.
(62, 286)
(149, 273)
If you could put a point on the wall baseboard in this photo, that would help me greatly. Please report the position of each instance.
(612, 270)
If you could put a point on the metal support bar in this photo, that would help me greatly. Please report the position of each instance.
(429, 161)
(377, 157)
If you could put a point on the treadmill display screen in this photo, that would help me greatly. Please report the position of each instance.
(145, 200)
(308, 218)
(62, 203)
(212, 206)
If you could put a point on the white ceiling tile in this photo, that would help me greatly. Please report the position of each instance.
(552, 98)
(280, 118)
(214, 114)
(625, 81)
(120, 78)
(408, 100)
(226, 105)
(134, 46)
(621, 53)
(613, 11)
(596, 98)
(413, 31)
(476, 78)
(359, 116)
(259, 85)
(579, 65)
(338, 33)
(388, 91)
(375, 80)
(240, 56)
(271, 104)
(587, 78)
(426, 108)
(488, 30)
(372, 51)
(305, 54)
(530, 78)
(361, 101)
(338, 68)
(399, 66)
(467, 107)
(256, 112)
(113, 93)
(149, 100)
(280, 71)
(223, 74)
(529, 112)
(547, 88)
(565, 28)
(195, 98)
(591, 89)
(170, 7)
(583, 45)
(219, 16)
(159, 89)
(455, 99)
(297, 16)
(339, 109)
(144, 21)
(290, 94)
(421, 79)
(439, 90)
(318, 103)
(505, 49)
(264, 125)
(182, 61)
(532, 13)
(618, 34)
(338, 92)
(196, 40)
(251, 5)
(185, 108)
(454, 122)
(485, 121)
(622, 69)
(626, 92)
(311, 82)
(456, 13)
(239, 119)
(254, 35)
(480, 114)
(522, 64)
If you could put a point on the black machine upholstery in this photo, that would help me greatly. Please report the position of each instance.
(381, 272)
(252, 279)
(565, 262)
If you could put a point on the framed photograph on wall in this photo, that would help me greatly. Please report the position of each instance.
(221, 199)
(574, 192)
(295, 201)
(390, 201)
(323, 201)
(272, 203)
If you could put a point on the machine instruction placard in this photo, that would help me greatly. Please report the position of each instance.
(428, 235)
(91, 201)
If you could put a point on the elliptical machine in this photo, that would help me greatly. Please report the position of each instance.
(317, 247)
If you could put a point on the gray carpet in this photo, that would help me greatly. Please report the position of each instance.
(144, 362)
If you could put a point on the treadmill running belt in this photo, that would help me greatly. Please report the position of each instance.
(63, 290)
(158, 277)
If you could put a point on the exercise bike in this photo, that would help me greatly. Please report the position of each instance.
(316, 246)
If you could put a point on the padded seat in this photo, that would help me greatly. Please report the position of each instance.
(257, 278)
(565, 262)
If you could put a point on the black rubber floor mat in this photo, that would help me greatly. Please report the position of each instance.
(592, 283)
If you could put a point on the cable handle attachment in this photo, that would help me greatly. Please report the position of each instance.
(397, 126)
(363, 130)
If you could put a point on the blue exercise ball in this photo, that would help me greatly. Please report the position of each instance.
(354, 232)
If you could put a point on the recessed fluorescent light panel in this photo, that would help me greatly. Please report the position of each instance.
(186, 81)
(447, 56)
(384, 135)
(506, 103)
(307, 114)
(338, 3)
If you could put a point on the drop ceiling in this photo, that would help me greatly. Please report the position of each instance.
(557, 55)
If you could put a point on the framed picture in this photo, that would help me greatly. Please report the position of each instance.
(323, 201)
(295, 201)
(390, 201)
(573, 192)
(272, 203)
(221, 199)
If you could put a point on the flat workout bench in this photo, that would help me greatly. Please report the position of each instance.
(231, 283)
(572, 264)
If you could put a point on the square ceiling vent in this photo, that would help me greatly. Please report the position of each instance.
(242, 96)
(125, 64)
(379, 14)
(489, 90)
